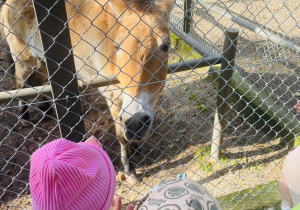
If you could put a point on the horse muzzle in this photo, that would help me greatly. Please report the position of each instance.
(138, 126)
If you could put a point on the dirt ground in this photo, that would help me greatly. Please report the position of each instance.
(179, 142)
(182, 131)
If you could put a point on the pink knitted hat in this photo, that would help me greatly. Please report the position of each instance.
(65, 175)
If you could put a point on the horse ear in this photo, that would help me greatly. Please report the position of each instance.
(165, 7)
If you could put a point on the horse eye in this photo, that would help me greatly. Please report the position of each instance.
(165, 47)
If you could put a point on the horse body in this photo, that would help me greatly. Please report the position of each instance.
(108, 37)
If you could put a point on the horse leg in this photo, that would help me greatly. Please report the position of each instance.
(24, 63)
(40, 76)
(23, 109)
(115, 104)
(127, 164)
(22, 73)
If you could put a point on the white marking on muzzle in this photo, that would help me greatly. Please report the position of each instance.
(143, 103)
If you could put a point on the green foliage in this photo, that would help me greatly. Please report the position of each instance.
(193, 97)
(297, 141)
(207, 167)
(202, 109)
(199, 155)
(266, 150)
(184, 50)
(224, 160)
(256, 166)
(205, 151)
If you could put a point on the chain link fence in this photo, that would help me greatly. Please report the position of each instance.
(117, 71)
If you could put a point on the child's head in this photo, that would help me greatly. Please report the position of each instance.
(67, 175)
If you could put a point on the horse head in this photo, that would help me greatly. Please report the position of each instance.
(141, 54)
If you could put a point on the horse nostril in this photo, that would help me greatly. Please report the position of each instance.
(137, 126)
(146, 120)
(121, 118)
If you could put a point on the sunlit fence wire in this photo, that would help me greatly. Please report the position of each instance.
(228, 127)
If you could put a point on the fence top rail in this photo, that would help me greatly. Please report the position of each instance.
(31, 93)
(196, 45)
(258, 30)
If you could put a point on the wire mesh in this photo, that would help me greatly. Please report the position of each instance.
(182, 121)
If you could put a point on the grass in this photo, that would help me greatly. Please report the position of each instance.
(199, 156)
(201, 108)
(256, 166)
(193, 97)
(255, 198)
(297, 141)
(204, 163)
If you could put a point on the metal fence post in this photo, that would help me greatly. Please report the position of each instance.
(229, 53)
(52, 22)
(187, 16)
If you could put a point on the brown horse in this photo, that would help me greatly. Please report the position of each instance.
(130, 39)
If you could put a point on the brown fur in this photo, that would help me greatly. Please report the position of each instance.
(108, 36)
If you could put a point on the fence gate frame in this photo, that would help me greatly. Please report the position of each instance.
(53, 27)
